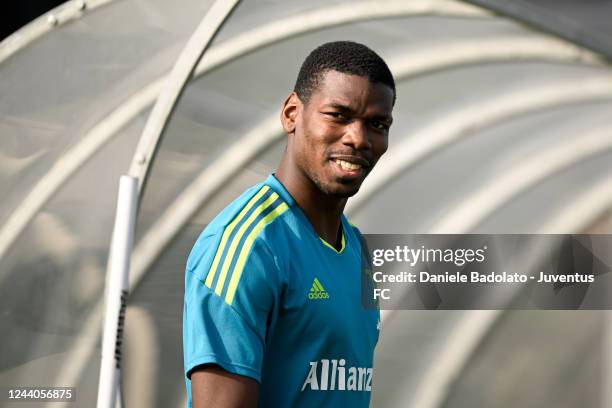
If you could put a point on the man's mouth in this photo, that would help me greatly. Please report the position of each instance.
(351, 167)
(348, 165)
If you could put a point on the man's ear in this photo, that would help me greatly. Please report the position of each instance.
(289, 112)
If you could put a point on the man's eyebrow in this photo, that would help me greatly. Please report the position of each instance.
(346, 109)
(338, 106)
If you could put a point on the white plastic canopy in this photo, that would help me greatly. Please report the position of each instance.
(498, 128)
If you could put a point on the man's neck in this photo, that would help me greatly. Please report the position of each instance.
(323, 211)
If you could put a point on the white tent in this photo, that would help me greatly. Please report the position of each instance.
(498, 129)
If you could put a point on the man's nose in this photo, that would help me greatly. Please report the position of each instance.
(356, 135)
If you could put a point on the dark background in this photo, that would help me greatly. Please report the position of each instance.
(16, 14)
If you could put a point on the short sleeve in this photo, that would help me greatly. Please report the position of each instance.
(230, 293)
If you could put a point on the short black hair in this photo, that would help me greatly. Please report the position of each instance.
(347, 57)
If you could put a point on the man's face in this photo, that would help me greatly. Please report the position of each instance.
(341, 132)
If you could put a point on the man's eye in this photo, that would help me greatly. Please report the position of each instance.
(337, 115)
(379, 125)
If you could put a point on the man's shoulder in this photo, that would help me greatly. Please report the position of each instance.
(243, 223)
(254, 209)
(352, 228)
(229, 213)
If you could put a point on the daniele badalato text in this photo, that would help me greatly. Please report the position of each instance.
(459, 257)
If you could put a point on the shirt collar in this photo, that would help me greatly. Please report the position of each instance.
(280, 189)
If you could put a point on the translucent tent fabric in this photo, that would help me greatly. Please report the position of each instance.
(583, 22)
(54, 92)
(59, 87)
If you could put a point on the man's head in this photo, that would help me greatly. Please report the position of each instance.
(338, 116)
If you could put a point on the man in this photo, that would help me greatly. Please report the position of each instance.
(273, 314)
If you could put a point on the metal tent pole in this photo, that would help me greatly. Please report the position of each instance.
(117, 291)
(130, 191)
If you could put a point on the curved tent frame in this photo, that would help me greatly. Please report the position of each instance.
(218, 56)
(166, 92)
(128, 200)
(60, 15)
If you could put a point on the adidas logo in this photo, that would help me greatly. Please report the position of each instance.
(317, 291)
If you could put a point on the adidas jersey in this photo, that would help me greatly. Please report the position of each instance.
(266, 298)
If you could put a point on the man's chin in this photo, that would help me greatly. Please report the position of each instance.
(343, 190)
(337, 187)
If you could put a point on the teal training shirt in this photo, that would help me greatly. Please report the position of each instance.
(267, 298)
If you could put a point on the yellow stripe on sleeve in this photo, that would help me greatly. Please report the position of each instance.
(231, 291)
(232, 249)
(228, 231)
